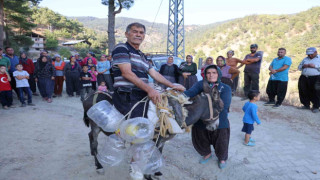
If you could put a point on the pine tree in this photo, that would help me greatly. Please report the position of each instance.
(111, 17)
(16, 22)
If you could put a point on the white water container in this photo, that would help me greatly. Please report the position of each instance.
(146, 157)
(137, 130)
(105, 116)
(113, 151)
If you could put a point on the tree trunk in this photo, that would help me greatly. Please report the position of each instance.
(111, 24)
(2, 23)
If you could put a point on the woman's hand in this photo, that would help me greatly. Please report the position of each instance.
(52, 78)
(178, 87)
(64, 77)
(36, 79)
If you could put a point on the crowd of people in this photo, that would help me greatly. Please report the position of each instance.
(129, 82)
(22, 75)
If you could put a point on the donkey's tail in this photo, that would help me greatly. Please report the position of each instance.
(86, 119)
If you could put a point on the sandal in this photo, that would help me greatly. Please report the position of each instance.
(204, 161)
(222, 165)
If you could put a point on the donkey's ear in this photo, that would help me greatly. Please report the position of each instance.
(215, 93)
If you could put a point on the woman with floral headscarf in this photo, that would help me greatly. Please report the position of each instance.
(202, 138)
(209, 61)
(188, 71)
(228, 73)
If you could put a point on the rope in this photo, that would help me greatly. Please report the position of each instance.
(164, 113)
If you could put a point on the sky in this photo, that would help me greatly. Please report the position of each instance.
(195, 11)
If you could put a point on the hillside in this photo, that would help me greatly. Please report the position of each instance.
(156, 39)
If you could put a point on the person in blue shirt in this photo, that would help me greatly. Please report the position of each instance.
(250, 116)
(202, 138)
(278, 82)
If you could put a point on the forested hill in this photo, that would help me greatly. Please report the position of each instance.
(295, 32)
(156, 39)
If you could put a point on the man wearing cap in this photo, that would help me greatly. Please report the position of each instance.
(252, 70)
(278, 81)
(310, 67)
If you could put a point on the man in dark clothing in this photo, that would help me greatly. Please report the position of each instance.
(14, 60)
(309, 80)
(252, 70)
(85, 82)
(131, 70)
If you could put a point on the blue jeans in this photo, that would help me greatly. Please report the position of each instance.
(27, 90)
(6, 98)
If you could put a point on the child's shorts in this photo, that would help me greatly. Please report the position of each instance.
(247, 128)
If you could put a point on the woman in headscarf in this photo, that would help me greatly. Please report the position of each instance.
(29, 67)
(72, 72)
(209, 61)
(59, 66)
(44, 74)
(169, 71)
(188, 71)
(228, 73)
(202, 138)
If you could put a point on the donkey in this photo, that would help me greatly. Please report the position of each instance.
(196, 111)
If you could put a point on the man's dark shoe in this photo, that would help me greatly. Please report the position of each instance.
(270, 103)
(54, 96)
(315, 110)
(303, 107)
(276, 106)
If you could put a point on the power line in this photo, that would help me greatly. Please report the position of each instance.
(156, 14)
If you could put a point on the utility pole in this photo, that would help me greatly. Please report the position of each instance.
(175, 41)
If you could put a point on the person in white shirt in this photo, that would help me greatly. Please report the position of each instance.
(310, 76)
(22, 85)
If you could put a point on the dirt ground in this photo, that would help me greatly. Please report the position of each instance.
(50, 141)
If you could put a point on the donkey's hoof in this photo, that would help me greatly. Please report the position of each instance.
(100, 171)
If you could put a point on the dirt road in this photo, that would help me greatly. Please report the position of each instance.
(50, 141)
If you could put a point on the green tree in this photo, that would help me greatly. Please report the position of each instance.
(51, 40)
(112, 12)
(15, 21)
(64, 52)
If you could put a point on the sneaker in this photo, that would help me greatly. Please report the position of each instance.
(49, 100)
(269, 103)
(315, 110)
(303, 107)
(250, 144)
(31, 104)
(45, 99)
(134, 174)
(23, 105)
(54, 96)
(252, 140)
(5, 107)
(222, 165)
(276, 106)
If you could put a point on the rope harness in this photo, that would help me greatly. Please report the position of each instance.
(211, 118)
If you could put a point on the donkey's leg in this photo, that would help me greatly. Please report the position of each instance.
(93, 136)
